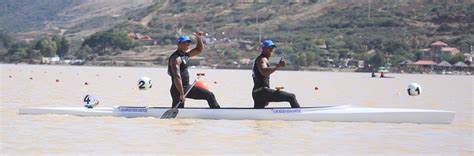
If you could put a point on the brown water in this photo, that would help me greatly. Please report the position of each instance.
(62, 134)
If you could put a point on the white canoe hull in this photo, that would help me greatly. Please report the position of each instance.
(344, 113)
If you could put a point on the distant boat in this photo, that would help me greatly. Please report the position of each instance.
(381, 75)
(382, 69)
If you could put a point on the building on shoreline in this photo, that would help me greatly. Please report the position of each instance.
(438, 52)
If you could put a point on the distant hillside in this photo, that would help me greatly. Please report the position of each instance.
(351, 28)
(32, 18)
(308, 32)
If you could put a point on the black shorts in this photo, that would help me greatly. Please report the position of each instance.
(265, 95)
(195, 93)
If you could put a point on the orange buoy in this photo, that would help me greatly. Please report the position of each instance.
(202, 84)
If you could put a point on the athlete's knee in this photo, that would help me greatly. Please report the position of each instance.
(291, 96)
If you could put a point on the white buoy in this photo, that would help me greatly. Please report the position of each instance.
(144, 83)
(90, 101)
(414, 89)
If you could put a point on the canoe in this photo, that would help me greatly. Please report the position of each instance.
(344, 113)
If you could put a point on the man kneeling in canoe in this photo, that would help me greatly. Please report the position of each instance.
(178, 70)
(262, 94)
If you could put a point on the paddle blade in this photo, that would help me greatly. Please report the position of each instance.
(171, 113)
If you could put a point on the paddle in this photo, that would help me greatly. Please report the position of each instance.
(279, 88)
(173, 112)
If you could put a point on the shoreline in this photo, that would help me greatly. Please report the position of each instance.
(233, 67)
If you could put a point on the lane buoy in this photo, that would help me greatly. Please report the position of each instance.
(414, 89)
(144, 83)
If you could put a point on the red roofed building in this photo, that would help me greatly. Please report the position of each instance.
(439, 51)
(425, 65)
(425, 62)
(439, 43)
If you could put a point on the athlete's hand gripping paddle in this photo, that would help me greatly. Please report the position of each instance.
(173, 112)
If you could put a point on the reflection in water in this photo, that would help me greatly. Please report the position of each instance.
(180, 126)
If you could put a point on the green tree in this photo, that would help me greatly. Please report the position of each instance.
(284, 50)
(377, 60)
(5, 40)
(465, 43)
(232, 54)
(397, 59)
(63, 49)
(56, 39)
(418, 55)
(344, 53)
(121, 40)
(456, 58)
(46, 47)
(62, 45)
(302, 60)
(83, 52)
(320, 41)
(334, 53)
(376, 43)
(17, 52)
(330, 43)
(103, 40)
(310, 58)
(395, 45)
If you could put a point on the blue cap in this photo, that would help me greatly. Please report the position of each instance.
(184, 38)
(268, 43)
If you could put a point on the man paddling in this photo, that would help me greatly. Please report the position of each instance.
(178, 70)
(262, 94)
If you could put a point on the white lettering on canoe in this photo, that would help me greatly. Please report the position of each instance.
(132, 110)
(286, 110)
